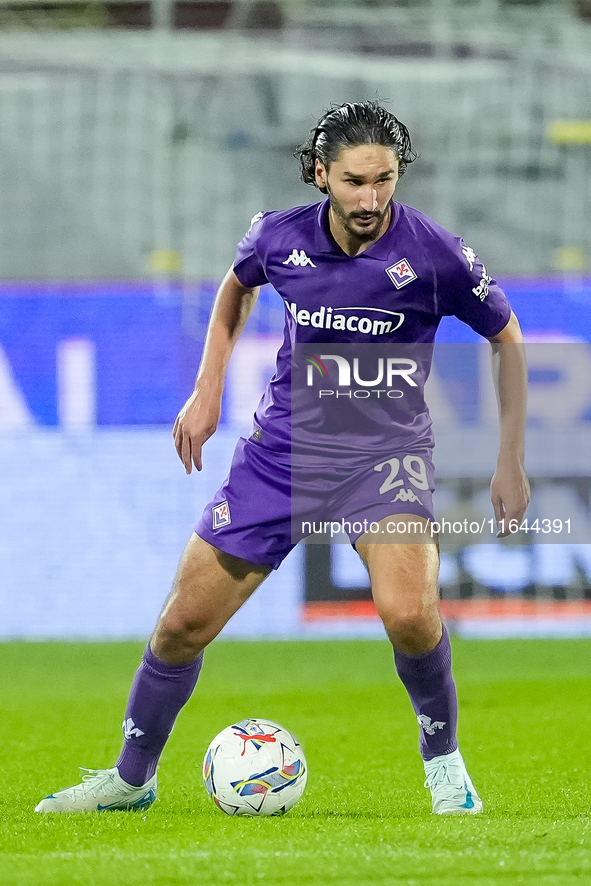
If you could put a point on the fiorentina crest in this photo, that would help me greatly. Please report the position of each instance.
(401, 273)
(221, 515)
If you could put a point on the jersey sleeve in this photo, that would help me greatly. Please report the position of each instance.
(467, 290)
(248, 264)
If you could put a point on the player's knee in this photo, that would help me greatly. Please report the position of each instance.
(407, 626)
(175, 632)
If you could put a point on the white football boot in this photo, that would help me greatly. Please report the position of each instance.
(450, 785)
(100, 790)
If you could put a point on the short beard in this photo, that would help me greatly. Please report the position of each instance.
(344, 219)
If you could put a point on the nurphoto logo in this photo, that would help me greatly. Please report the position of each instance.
(386, 372)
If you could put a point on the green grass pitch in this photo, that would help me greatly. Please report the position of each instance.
(525, 731)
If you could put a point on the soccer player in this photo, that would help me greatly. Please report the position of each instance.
(356, 268)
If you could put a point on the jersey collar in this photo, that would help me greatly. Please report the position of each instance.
(326, 244)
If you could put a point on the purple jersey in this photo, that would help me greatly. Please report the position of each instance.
(396, 292)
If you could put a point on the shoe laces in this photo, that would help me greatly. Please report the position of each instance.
(448, 776)
(97, 781)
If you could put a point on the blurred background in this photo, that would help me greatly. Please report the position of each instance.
(137, 140)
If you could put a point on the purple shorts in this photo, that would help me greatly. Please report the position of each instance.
(266, 506)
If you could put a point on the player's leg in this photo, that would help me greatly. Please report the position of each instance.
(249, 520)
(404, 581)
(405, 591)
(209, 588)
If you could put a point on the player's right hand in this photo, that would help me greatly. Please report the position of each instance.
(195, 423)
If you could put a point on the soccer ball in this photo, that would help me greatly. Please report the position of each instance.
(255, 767)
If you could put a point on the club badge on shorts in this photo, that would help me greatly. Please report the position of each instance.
(221, 515)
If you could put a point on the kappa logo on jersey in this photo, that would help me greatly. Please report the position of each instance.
(256, 218)
(221, 515)
(469, 255)
(401, 273)
(430, 725)
(298, 259)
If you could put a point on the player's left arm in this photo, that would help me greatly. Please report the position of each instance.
(509, 486)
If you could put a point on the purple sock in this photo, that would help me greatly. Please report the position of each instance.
(430, 685)
(158, 692)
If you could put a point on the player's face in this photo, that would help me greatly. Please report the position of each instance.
(360, 185)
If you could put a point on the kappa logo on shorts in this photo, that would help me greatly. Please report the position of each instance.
(407, 495)
(401, 273)
(221, 515)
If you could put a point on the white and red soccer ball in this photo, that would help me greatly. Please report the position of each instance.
(255, 767)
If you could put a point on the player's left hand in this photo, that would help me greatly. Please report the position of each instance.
(509, 492)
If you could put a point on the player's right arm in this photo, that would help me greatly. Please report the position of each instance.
(199, 417)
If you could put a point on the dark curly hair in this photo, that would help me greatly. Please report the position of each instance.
(350, 125)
